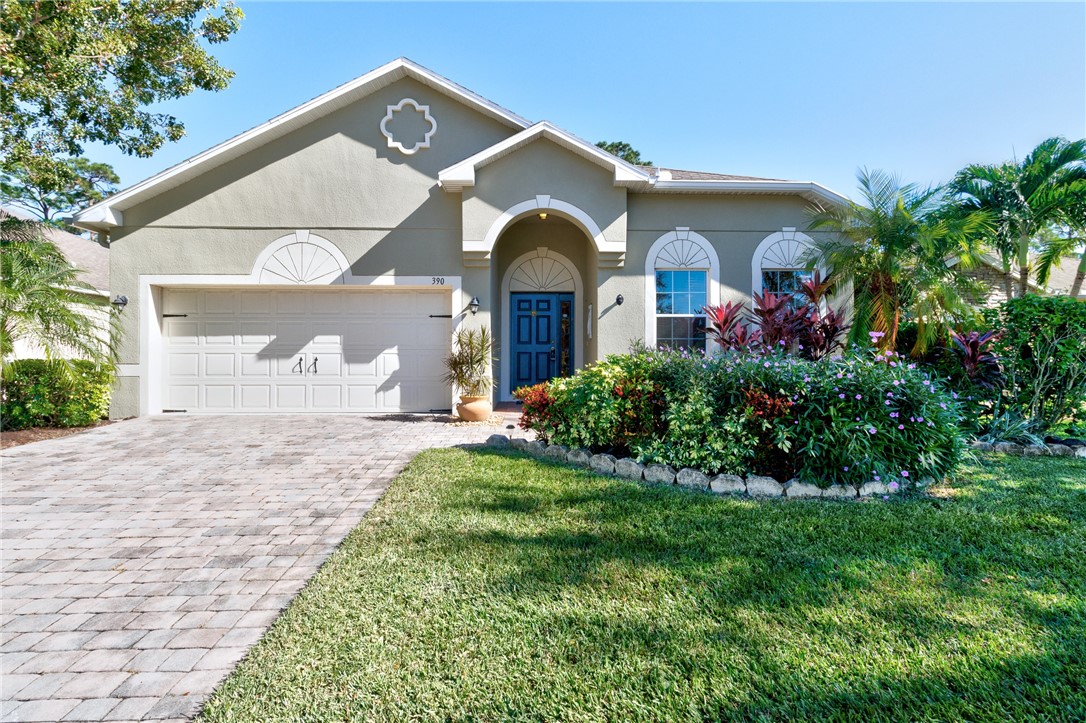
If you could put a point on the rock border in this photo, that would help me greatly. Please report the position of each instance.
(722, 484)
(1030, 450)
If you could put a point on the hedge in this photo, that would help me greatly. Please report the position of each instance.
(40, 393)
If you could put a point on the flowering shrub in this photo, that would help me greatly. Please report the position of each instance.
(846, 420)
(535, 410)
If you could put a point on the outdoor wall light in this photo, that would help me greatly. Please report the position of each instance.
(619, 299)
(120, 301)
(543, 216)
(473, 305)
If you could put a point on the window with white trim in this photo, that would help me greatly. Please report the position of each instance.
(780, 264)
(682, 278)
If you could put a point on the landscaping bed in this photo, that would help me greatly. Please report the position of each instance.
(488, 585)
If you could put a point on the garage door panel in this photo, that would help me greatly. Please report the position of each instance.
(305, 351)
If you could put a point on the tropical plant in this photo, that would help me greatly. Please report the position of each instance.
(981, 365)
(468, 366)
(1023, 198)
(892, 247)
(728, 328)
(44, 303)
(823, 327)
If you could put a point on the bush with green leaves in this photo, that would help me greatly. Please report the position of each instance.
(40, 393)
(1042, 346)
(848, 420)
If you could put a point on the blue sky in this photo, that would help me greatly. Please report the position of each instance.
(807, 91)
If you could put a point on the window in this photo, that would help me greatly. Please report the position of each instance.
(780, 263)
(680, 297)
(682, 276)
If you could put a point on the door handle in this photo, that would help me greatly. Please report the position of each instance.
(553, 357)
(297, 369)
(312, 367)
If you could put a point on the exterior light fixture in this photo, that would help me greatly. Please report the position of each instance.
(619, 299)
(473, 305)
(543, 216)
(120, 301)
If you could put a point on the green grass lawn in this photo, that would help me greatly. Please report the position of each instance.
(490, 586)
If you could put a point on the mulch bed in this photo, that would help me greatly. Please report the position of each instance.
(37, 434)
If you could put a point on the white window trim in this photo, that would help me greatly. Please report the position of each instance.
(681, 233)
(786, 234)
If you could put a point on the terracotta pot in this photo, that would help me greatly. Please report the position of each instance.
(474, 409)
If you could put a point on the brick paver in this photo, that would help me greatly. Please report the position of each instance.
(141, 560)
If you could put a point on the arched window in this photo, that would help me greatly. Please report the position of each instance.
(682, 276)
(780, 262)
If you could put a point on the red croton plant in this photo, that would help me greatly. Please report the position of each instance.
(776, 321)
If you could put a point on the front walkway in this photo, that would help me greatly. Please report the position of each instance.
(141, 560)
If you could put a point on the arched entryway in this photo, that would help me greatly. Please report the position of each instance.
(543, 332)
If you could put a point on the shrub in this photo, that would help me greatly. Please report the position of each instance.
(40, 393)
(1042, 345)
(846, 420)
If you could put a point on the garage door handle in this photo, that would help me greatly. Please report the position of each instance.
(297, 367)
(313, 367)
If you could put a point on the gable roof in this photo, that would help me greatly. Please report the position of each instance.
(1060, 278)
(461, 175)
(107, 213)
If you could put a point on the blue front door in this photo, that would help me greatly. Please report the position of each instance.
(542, 337)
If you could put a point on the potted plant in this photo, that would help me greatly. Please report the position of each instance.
(468, 369)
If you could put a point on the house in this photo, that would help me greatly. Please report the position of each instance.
(92, 261)
(321, 262)
(989, 272)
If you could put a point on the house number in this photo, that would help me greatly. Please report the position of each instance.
(438, 281)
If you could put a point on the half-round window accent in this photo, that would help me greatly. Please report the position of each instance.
(780, 261)
(541, 273)
(682, 275)
(301, 258)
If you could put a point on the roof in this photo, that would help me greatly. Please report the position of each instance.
(1060, 278)
(88, 256)
(108, 213)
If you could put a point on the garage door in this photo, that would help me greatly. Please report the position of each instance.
(328, 350)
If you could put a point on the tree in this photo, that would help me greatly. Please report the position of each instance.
(78, 71)
(93, 182)
(892, 248)
(42, 300)
(624, 151)
(1024, 198)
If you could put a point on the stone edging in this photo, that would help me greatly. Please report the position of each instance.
(1031, 450)
(721, 484)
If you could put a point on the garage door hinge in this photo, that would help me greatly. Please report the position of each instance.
(174, 316)
(440, 316)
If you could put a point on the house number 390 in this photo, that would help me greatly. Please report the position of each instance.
(438, 281)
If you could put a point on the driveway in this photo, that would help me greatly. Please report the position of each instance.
(141, 560)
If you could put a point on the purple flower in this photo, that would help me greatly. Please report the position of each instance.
(871, 430)
(895, 415)
(886, 497)
(927, 383)
(877, 478)
(846, 469)
(887, 402)
(901, 426)
(904, 473)
(767, 365)
(942, 404)
(876, 334)
(889, 394)
(840, 396)
(893, 486)
(782, 342)
(859, 396)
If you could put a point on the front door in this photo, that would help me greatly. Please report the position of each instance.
(542, 337)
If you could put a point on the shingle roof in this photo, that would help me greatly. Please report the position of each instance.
(88, 256)
(678, 174)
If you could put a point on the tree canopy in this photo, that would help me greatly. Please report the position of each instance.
(78, 71)
(93, 182)
(624, 151)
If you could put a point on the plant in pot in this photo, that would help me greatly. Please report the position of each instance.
(467, 368)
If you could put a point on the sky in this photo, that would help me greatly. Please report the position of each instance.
(801, 91)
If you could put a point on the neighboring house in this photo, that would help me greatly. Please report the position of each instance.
(321, 262)
(92, 260)
(990, 273)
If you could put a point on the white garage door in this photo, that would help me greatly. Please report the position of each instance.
(328, 350)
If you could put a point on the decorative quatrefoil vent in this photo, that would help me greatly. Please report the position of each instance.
(408, 126)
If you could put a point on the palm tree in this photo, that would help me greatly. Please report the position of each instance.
(1025, 197)
(892, 248)
(42, 300)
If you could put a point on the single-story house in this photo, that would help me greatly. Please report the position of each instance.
(989, 272)
(92, 261)
(322, 261)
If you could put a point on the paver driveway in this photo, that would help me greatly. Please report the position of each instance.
(141, 560)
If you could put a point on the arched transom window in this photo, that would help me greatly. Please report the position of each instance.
(780, 262)
(682, 277)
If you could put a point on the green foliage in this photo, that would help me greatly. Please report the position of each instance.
(1043, 349)
(624, 151)
(846, 420)
(82, 71)
(892, 248)
(43, 302)
(41, 393)
(45, 199)
(467, 367)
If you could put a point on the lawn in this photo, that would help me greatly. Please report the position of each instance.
(490, 586)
